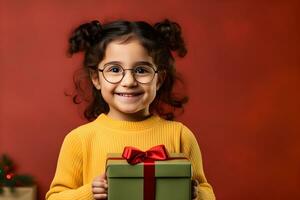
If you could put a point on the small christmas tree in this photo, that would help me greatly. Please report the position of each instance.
(9, 178)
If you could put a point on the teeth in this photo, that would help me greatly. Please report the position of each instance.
(127, 95)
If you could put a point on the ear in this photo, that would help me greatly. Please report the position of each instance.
(95, 79)
(161, 79)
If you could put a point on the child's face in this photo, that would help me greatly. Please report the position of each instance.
(127, 99)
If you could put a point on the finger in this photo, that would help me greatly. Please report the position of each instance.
(100, 196)
(195, 182)
(97, 190)
(100, 178)
(103, 176)
(97, 178)
(99, 184)
(195, 192)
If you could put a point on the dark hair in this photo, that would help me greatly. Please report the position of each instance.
(159, 40)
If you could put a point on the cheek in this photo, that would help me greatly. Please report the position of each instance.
(151, 92)
(105, 86)
(107, 96)
(106, 89)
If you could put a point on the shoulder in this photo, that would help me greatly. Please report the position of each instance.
(81, 132)
(169, 123)
(185, 133)
(170, 127)
(178, 126)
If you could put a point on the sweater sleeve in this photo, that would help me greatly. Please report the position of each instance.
(191, 149)
(68, 182)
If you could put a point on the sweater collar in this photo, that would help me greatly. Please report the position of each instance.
(124, 125)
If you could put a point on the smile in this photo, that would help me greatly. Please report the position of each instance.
(128, 94)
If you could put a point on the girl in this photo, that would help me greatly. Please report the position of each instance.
(130, 69)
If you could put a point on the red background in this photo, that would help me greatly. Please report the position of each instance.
(242, 74)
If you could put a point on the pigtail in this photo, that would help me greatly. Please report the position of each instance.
(167, 102)
(85, 36)
(83, 39)
(171, 33)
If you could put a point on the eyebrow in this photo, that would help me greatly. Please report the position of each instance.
(136, 63)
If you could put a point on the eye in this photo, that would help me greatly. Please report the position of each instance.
(143, 70)
(114, 69)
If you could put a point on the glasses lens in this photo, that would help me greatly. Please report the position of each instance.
(113, 73)
(144, 73)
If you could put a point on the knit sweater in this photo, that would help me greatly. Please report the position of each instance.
(83, 153)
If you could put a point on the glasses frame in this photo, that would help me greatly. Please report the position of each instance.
(155, 72)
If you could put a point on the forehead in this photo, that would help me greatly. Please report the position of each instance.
(126, 52)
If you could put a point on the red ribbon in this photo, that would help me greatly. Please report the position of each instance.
(135, 156)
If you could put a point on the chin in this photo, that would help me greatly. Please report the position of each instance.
(129, 110)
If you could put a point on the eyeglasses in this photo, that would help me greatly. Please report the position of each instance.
(141, 73)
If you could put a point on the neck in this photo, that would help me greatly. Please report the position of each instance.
(139, 116)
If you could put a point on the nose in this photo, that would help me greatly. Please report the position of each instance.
(128, 79)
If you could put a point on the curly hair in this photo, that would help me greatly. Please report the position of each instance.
(159, 40)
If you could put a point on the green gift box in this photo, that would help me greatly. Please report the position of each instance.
(126, 182)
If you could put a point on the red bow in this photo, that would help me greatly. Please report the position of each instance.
(135, 156)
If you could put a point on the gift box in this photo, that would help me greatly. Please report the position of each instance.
(19, 193)
(171, 179)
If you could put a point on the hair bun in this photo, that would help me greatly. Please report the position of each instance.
(84, 36)
(171, 32)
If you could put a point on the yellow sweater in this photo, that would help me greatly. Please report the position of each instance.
(83, 153)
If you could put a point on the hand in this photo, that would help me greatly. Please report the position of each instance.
(194, 189)
(99, 187)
